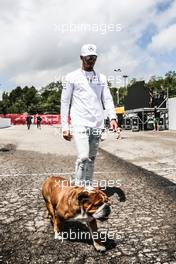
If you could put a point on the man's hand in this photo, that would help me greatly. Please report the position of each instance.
(67, 135)
(113, 124)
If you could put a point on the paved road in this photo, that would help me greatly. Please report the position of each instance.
(143, 227)
(151, 150)
(45, 140)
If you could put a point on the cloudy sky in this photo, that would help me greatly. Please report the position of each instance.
(40, 40)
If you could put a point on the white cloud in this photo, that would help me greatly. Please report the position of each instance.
(165, 18)
(165, 41)
(34, 51)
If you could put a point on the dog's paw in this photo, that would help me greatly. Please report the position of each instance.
(57, 236)
(99, 248)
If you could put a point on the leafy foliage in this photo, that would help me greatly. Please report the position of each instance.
(32, 101)
(118, 94)
(162, 87)
(158, 87)
(47, 99)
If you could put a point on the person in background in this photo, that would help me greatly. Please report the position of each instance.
(156, 119)
(29, 121)
(39, 119)
(85, 95)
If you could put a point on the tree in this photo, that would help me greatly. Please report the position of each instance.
(170, 83)
(160, 87)
(118, 94)
(18, 107)
(16, 94)
(5, 104)
(30, 97)
(155, 87)
(47, 100)
(50, 97)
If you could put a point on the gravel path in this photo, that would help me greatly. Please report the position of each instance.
(143, 227)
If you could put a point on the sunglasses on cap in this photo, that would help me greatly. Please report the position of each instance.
(90, 57)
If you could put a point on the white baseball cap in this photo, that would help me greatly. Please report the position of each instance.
(88, 49)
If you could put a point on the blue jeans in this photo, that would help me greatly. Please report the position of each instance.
(87, 141)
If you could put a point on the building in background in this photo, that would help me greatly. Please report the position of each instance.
(140, 108)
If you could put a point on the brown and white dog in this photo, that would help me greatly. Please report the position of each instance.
(67, 202)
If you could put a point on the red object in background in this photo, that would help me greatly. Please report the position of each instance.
(16, 119)
(20, 119)
(48, 119)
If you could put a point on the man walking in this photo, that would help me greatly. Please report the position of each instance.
(29, 121)
(84, 97)
(39, 119)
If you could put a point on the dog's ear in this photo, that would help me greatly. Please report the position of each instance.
(83, 197)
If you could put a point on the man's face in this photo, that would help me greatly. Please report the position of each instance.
(88, 62)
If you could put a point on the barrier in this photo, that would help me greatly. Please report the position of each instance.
(5, 122)
(20, 119)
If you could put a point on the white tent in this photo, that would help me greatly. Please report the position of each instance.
(172, 113)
